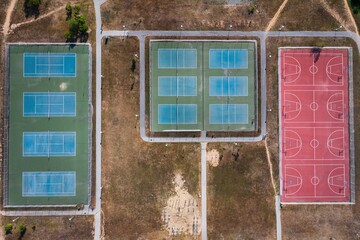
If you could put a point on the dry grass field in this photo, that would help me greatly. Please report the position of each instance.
(306, 15)
(316, 221)
(137, 176)
(240, 196)
(55, 228)
(192, 14)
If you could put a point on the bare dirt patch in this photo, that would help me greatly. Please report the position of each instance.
(193, 15)
(182, 213)
(137, 176)
(213, 157)
(301, 221)
(240, 195)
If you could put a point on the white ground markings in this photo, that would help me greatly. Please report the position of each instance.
(181, 214)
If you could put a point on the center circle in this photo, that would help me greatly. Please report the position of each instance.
(313, 69)
(315, 180)
(314, 143)
(314, 106)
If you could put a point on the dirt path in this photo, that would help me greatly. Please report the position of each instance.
(8, 18)
(16, 25)
(276, 16)
(351, 16)
(270, 167)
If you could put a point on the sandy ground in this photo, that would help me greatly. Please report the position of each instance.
(182, 213)
(213, 157)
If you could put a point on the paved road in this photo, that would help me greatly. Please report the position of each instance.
(97, 221)
(278, 217)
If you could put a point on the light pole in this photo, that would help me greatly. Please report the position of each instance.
(230, 27)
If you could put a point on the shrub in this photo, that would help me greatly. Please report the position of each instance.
(33, 3)
(68, 9)
(251, 9)
(8, 228)
(22, 229)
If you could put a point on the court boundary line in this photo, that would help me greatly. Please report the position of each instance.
(49, 174)
(177, 56)
(227, 78)
(48, 76)
(177, 86)
(350, 126)
(65, 116)
(289, 120)
(48, 136)
(227, 49)
(5, 186)
(327, 147)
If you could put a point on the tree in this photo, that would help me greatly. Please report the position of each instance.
(33, 3)
(68, 9)
(77, 26)
(8, 228)
(31, 8)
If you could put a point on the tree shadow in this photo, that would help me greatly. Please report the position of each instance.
(316, 51)
(31, 10)
(84, 37)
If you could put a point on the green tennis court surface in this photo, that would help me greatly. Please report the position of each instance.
(202, 85)
(49, 130)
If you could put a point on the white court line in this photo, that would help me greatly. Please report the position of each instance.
(287, 129)
(295, 185)
(306, 54)
(317, 165)
(313, 184)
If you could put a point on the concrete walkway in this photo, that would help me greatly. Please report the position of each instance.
(203, 192)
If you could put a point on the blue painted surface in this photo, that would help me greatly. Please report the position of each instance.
(228, 86)
(177, 113)
(49, 144)
(228, 114)
(228, 58)
(177, 58)
(177, 86)
(49, 64)
(49, 104)
(48, 184)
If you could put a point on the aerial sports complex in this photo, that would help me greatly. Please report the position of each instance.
(203, 85)
(48, 125)
(316, 158)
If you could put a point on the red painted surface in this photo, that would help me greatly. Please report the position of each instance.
(314, 125)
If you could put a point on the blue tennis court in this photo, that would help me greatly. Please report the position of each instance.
(177, 86)
(49, 104)
(228, 86)
(177, 58)
(35, 184)
(49, 64)
(47, 144)
(228, 58)
(177, 113)
(228, 114)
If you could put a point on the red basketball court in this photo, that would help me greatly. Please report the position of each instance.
(314, 129)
